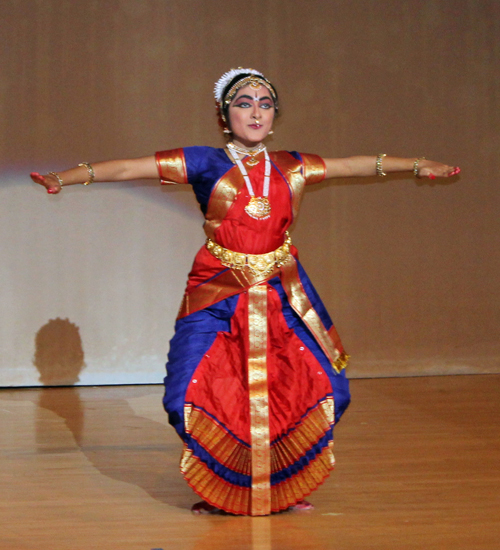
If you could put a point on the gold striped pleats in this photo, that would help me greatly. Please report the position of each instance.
(259, 400)
(232, 454)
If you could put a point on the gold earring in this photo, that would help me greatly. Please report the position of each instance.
(226, 131)
(270, 132)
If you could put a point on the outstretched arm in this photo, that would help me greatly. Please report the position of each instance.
(110, 170)
(367, 166)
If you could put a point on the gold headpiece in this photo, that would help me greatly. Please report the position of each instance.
(255, 80)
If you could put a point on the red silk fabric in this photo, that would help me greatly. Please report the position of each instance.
(242, 233)
(296, 381)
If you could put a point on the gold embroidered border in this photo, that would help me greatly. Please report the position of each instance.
(227, 450)
(171, 166)
(226, 189)
(300, 303)
(213, 489)
(237, 500)
(234, 455)
(314, 168)
(259, 401)
(291, 168)
(228, 283)
(221, 200)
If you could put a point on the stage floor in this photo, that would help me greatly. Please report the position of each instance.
(418, 467)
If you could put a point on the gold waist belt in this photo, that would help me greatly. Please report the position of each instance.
(258, 264)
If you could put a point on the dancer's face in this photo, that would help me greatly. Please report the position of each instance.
(251, 115)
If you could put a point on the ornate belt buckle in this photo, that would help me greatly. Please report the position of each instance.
(256, 264)
(261, 264)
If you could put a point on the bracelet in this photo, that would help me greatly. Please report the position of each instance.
(378, 164)
(415, 166)
(90, 171)
(58, 178)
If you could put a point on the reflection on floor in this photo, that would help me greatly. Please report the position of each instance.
(417, 467)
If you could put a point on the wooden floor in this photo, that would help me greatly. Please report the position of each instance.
(418, 467)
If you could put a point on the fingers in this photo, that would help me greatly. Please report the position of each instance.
(38, 178)
(451, 171)
(53, 190)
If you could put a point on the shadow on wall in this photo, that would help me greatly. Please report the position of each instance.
(59, 355)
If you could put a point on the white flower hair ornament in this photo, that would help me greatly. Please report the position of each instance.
(226, 78)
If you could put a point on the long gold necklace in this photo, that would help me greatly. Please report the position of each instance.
(251, 151)
(258, 208)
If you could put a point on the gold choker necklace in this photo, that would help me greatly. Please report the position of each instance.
(251, 151)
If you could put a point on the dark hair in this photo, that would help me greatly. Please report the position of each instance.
(225, 107)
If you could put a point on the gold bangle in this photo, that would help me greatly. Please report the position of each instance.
(58, 178)
(90, 171)
(378, 164)
(415, 166)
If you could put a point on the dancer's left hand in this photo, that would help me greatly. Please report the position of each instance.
(432, 170)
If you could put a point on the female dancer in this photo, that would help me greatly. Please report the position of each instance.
(255, 373)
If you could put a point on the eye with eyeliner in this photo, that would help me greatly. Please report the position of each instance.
(243, 104)
(246, 105)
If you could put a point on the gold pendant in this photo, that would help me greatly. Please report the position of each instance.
(252, 161)
(258, 208)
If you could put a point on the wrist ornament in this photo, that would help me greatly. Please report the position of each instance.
(90, 171)
(415, 166)
(378, 165)
(58, 178)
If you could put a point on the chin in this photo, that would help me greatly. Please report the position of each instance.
(258, 136)
(253, 138)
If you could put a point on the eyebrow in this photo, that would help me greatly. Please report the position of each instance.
(265, 98)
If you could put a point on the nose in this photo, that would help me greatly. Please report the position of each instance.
(256, 113)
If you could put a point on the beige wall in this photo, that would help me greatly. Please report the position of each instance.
(92, 278)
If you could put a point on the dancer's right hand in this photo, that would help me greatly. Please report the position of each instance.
(49, 182)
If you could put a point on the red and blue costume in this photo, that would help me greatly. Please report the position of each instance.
(255, 378)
